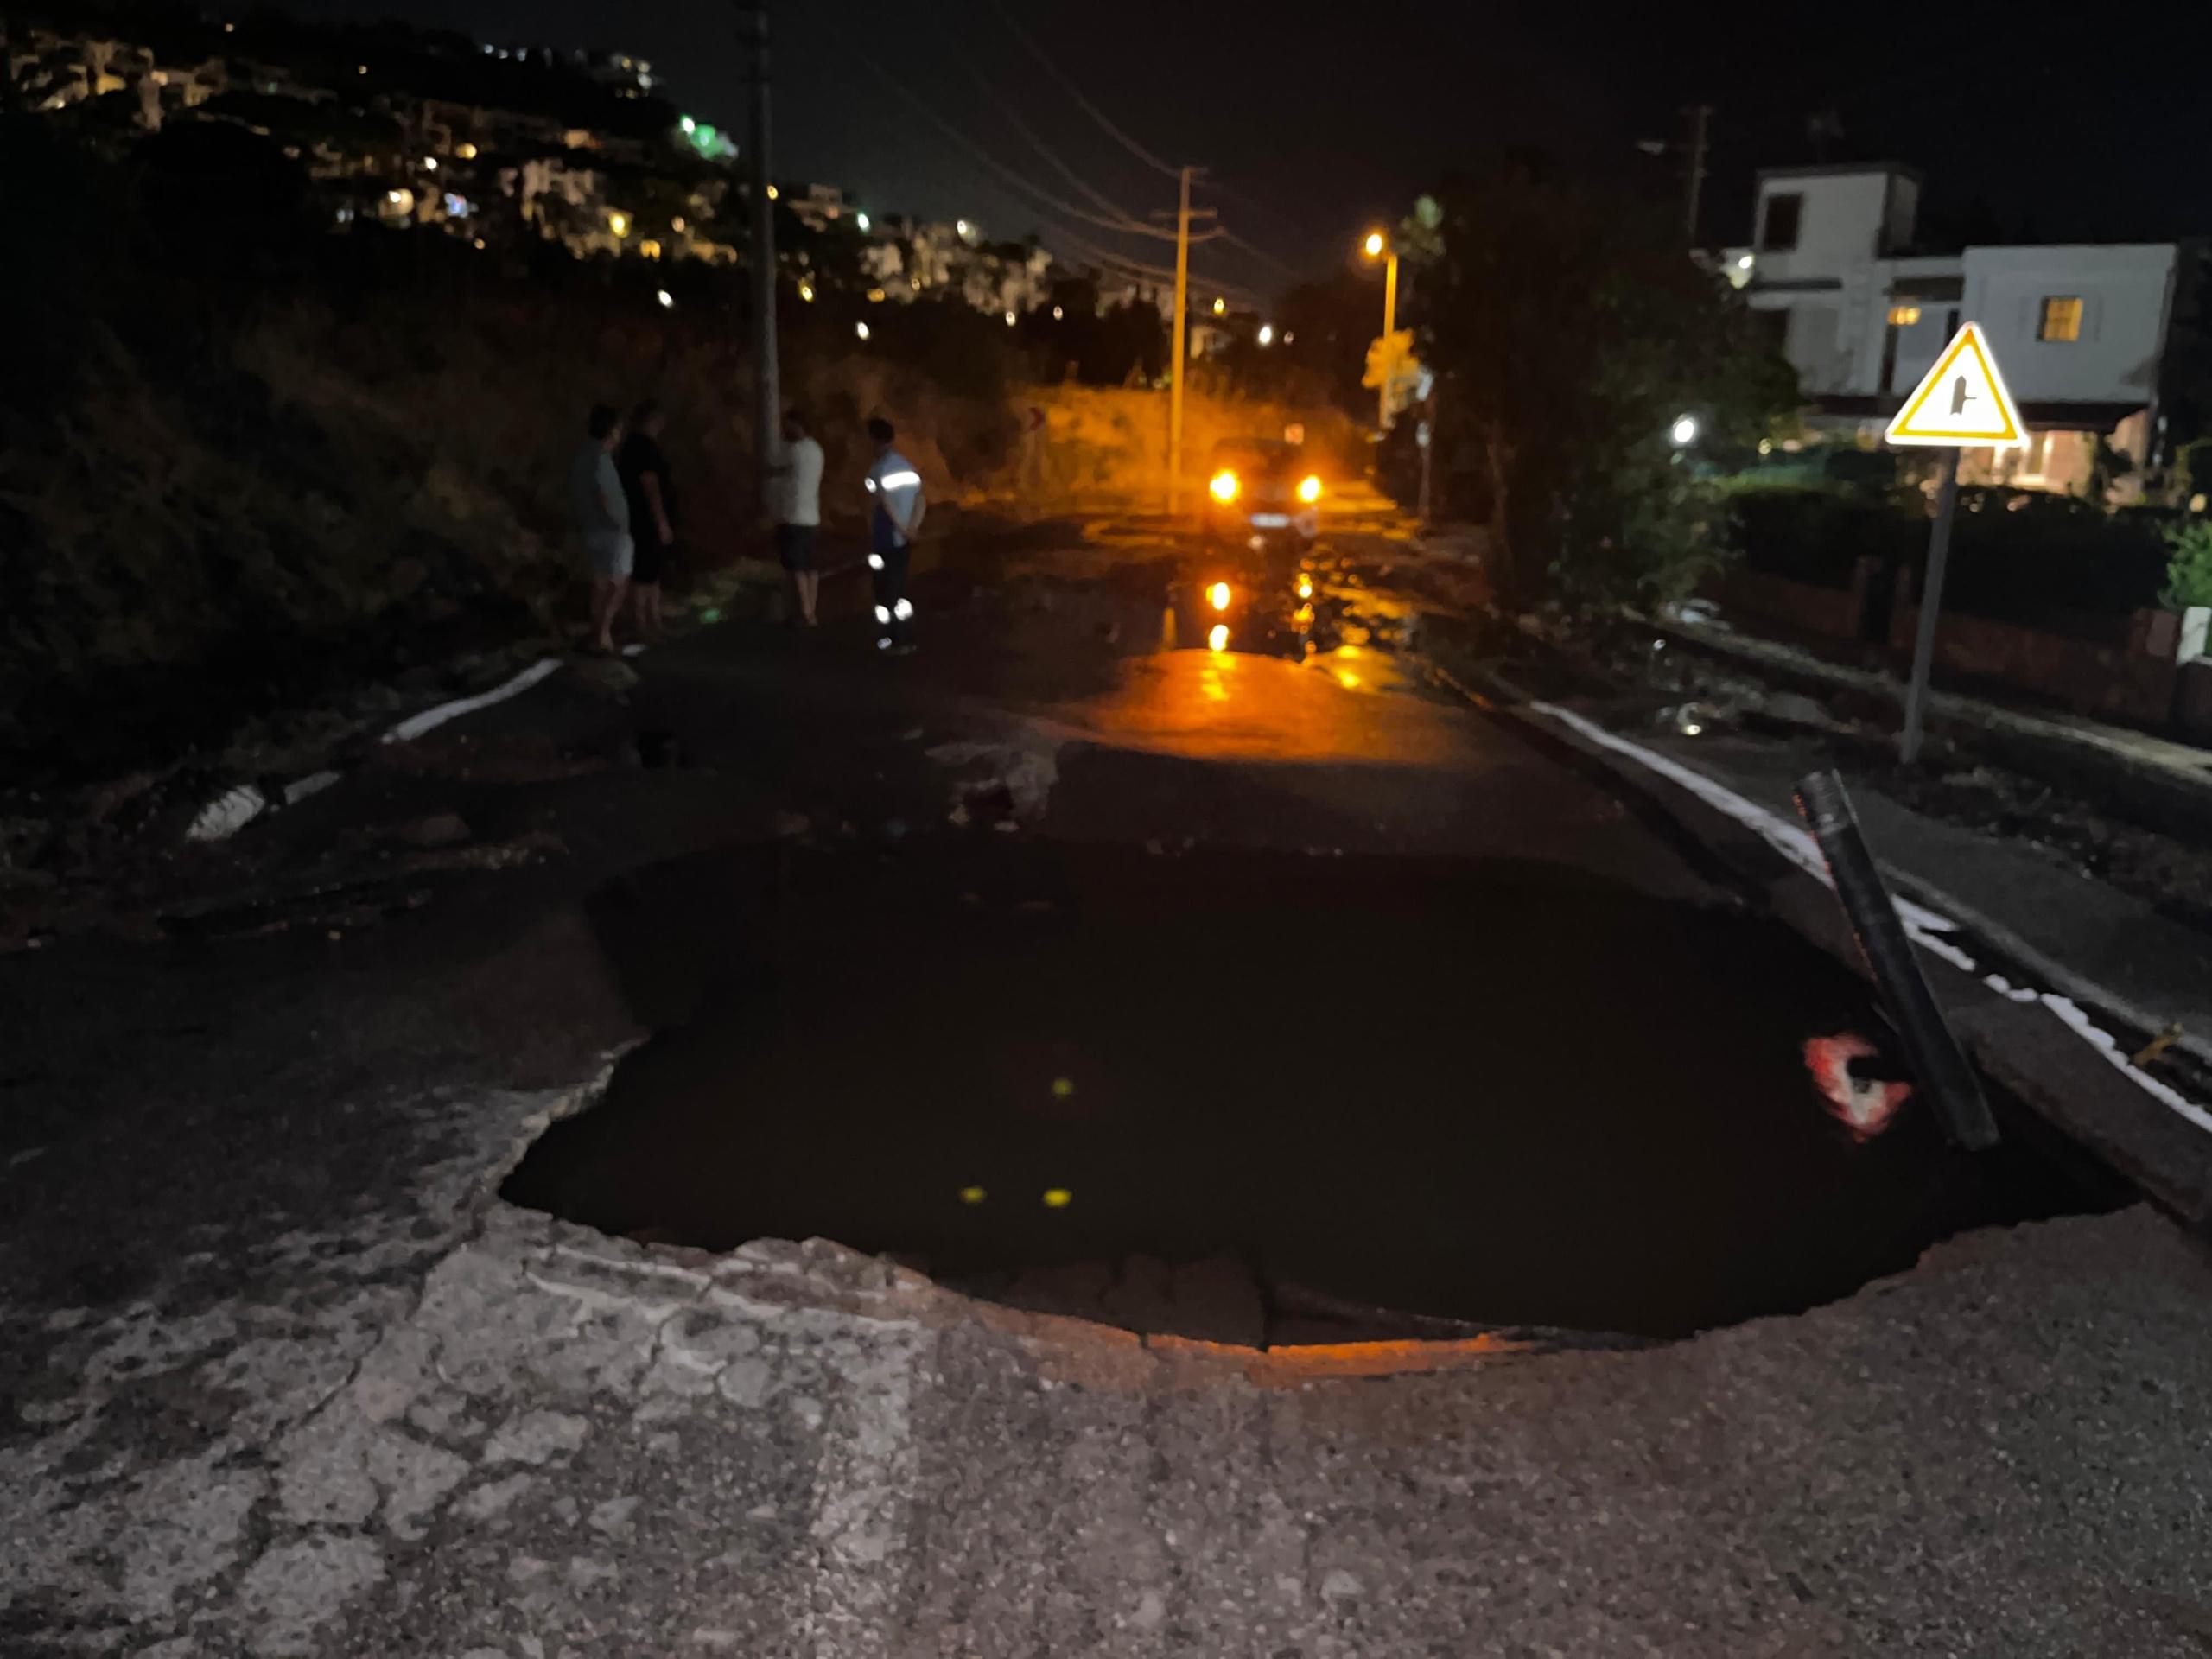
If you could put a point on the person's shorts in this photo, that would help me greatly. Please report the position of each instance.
(651, 560)
(612, 554)
(795, 546)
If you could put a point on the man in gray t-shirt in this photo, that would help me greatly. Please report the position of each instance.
(602, 514)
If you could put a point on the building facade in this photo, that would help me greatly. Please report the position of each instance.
(2081, 332)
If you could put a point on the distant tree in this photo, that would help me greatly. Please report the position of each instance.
(2188, 572)
(1569, 332)
(1325, 328)
(1131, 344)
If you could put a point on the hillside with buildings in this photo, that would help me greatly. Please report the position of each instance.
(507, 148)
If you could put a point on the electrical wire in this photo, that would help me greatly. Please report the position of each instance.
(1122, 223)
(1052, 157)
(1125, 226)
(1108, 260)
(1261, 254)
(1081, 102)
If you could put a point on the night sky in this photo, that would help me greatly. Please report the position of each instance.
(2030, 123)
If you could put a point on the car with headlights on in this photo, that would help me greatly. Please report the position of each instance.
(1259, 490)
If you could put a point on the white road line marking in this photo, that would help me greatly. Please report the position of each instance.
(430, 719)
(1925, 927)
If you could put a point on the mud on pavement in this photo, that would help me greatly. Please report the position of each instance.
(283, 1375)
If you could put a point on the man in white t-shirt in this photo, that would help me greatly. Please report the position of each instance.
(799, 512)
(894, 490)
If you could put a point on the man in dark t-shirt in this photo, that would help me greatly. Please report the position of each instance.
(644, 469)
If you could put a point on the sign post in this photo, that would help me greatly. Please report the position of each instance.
(1961, 401)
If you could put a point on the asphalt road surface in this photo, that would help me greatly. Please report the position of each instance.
(1346, 1178)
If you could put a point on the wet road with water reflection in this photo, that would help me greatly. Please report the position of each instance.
(1236, 979)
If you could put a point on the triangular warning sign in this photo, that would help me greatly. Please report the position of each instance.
(1961, 401)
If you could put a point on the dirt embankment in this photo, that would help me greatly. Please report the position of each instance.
(331, 493)
(1106, 448)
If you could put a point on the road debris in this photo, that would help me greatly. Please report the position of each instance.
(228, 814)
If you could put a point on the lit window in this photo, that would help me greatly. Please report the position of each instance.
(1903, 316)
(2061, 317)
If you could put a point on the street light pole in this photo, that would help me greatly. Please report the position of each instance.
(767, 408)
(1389, 328)
(1378, 246)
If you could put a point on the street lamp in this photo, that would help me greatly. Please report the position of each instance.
(1684, 432)
(1377, 247)
(1267, 333)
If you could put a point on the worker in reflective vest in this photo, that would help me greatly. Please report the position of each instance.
(895, 489)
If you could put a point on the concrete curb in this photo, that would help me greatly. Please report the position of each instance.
(2159, 796)
(2165, 1151)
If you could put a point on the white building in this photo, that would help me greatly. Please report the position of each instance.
(2079, 332)
(907, 260)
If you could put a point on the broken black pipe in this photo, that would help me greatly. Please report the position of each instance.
(1931, 1049)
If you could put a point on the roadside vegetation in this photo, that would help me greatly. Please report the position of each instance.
(2189, 569)
(243, 458)
(1569, 335)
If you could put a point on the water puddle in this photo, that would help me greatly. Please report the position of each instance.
(1501, 1092)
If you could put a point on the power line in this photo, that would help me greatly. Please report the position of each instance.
(1109, 260)
(1120, 265)
(1261, 254)
(983, 155)
(1229, 192)
(1052, 157)
(1122, 223)
(1081, 102)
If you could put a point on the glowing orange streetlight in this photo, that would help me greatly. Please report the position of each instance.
(1377, 247)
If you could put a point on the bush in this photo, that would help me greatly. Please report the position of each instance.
(1818, 536)
(2016, 555)
(217, 494)
(2188, 571)
(2050, 561)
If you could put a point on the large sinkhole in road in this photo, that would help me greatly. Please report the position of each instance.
(1243, 1093)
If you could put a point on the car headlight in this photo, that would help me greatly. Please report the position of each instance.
(1309, 489)
(1223, 486)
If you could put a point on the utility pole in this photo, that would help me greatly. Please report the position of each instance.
(1698, 114)
(768, 412)
(1175, 348)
